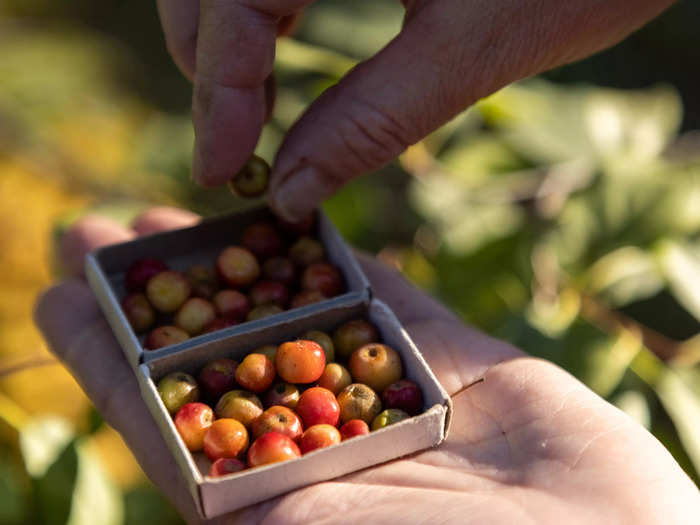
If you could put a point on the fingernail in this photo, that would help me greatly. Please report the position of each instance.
(299, 194)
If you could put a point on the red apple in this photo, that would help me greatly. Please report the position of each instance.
(282, 394)
(358, 401)
(192, 422)
(404, 395)
(376, 365)
(194, 315)
(255, 373)
(353, 428)
(300, 361)
(141, 271)
(272, 447)
(279, 269)
(237, 267)
(218, 377)
(335, 377)
(350, 336)
(277, 419)
(165, 336)
(323, 277)
(262, 239)
(226, 438)
(225, 466)
(318, 405)
(232, 304)
(269, 292)
(167, 291)
(138, 311)
(219, 323)
(318, 436)
(240, 405)
(306, 297)
(306, 251)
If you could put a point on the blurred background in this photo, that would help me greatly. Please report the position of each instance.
(562, 214)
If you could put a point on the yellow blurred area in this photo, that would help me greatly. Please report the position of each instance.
(30, 204)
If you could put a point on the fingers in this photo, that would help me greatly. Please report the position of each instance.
(180, 19)
(458, 354)
(163, 218)
(235, 52)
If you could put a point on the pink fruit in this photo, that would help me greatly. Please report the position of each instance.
(272, 447)
(225, 466)
(323, 277)
(318, 436)
(231, 303)
(218, 377)
(165, 336)
(262, 239)
(404, 395)
(316, 406)
(192, 422)
(277, 419)
(279, 269)
(269, 292)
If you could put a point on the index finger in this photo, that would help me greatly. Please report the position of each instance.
(235, 54)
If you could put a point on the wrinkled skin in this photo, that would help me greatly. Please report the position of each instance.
(528, 443)
(448, 54)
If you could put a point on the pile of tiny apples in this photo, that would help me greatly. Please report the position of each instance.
(283, 401)
(275, 266)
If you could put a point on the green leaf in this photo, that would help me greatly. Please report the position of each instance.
(13, 493)
(42, 441)
(682, 269)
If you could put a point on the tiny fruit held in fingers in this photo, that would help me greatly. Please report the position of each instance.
(255, 373)
(376, 365)
(218, 377)
(192, 422)
(318, 436)
(272, 447)
(177, 389)
(237, 266)
(167, 291)
(323, 277)
(226, 438)
(335, 377)
(239, 404)
(405, 395)
(316, 406)
(282, 394)
(165, 336)
(300, 361)
(252, 179)
(194, 315)
(358, 401)
(141, 271)
(277, 419)
(353, 428)
(352, 335)
(224, 466)
(138, 311)
(388, 417)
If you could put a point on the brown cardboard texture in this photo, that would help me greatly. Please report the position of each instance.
(105, 269)
(216, 496)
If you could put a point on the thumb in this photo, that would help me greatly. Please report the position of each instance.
(448, 55)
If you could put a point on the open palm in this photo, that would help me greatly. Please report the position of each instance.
(528, 442)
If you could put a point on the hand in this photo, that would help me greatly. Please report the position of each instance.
(449, 54)
(528, 443)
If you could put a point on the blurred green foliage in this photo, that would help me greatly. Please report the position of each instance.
(563, 217)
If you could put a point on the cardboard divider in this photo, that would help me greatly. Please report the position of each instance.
(200, 244)
(215, 496)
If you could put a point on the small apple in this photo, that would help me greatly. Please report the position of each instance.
(388, 417)
(302, 227)
(277, 419)
(300, 361)
(237, 267)
(282, 394)
(272, 447)
(335, 377)
(324, 340)
(324, 277)
(231, 303)
(269, 292)
(218, 377)
(165, 336)
(226, 438)
(262, 311)
(318, 436)
(255, 373)
(306, 251)
(252, 179)
(279, 269)
(376, 365)
(358, 401)
(225, 466)
(263, 239)
(167, 291)
(318, 405)
(219, 323)
(192, 422)
(203, 281)
(138, 311)
(350, 336)
(239, 404)
(194, 315)
(177, 389)
(353, 428)
(306, 297)
(405, 395)
(269, 351)
(138, 274)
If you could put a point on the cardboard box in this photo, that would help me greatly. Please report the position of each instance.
(105, 269)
